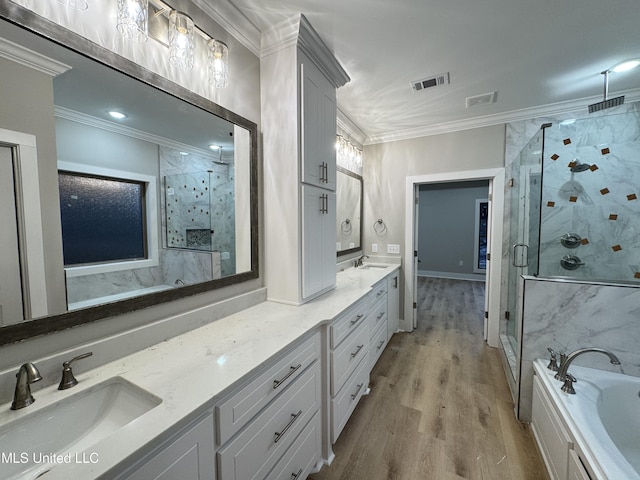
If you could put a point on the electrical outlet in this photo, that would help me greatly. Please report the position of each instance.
(393, 248)
(374, 248)
(460, 263)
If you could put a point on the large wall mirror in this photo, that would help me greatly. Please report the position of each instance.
(158, 205)
(348, 211)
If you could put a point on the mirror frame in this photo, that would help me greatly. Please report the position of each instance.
(20, 16)
(359, 178)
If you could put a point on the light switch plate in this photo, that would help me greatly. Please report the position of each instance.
(393, 248)
(374, 248)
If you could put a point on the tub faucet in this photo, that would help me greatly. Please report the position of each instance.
(566, 361)
(22, 397)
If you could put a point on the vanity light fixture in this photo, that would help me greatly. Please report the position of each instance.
(218, 63)
(133, 19)
(181, 40)
(348, 153)
(117, 115)
(75, 4)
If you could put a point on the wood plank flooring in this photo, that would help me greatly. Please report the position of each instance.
(440, 407)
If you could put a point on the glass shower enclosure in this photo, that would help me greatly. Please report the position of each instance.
(572, 210)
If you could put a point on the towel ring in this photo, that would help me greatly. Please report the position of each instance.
(346, 226)
(379, 226)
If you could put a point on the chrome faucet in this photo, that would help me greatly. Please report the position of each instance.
(27, 375)
(358, 261)
(566, 360)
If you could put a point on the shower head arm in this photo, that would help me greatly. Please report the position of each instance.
(606, 83)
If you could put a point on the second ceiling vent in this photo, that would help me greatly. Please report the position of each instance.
(429, 82)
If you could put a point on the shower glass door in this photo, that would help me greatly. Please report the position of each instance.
(522, 201)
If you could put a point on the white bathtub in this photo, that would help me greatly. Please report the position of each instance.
(603, 417)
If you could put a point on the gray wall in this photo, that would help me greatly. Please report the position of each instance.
(446, 227)
(26, 97)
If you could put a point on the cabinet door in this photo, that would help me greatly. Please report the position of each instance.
(187, 457)
(318, 240)
(576, 469)
(393, 303)
(318, 125)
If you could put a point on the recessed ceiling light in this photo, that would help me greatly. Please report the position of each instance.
(626, 66)
(117, 115)
(568, 121)
(184, 154)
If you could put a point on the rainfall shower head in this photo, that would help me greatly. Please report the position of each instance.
(606, 103)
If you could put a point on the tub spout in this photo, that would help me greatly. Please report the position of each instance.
(564, 364)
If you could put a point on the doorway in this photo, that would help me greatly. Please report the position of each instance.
(495, 178)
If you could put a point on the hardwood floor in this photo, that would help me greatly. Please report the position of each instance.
(440, 407)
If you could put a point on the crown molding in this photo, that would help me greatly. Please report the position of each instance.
(233, 21)
(84, 119)
(28, 58)
(299, 32)
(352, 130)
(496, 119)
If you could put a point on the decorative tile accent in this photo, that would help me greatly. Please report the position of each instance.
(555, 156)
(632, 196)
(616, 248)
(551, 204)
(604, 191)
(636, 275)
(573, 199)
(572, 164)
(566, 141)
(605, 151)
(584, 241)
(613, 216)
(593, 167)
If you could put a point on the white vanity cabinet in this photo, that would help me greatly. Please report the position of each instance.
(187, 456)
(393, 303)
(377, 318)
(318, 125)
(299, 76)
(349, 364)
(318, 240)
(272, 423)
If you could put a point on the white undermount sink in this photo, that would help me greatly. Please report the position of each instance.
(367, 266)
(68, 427)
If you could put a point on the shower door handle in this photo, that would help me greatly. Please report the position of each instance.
(525, 257)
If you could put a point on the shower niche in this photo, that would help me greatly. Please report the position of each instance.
(200, 213)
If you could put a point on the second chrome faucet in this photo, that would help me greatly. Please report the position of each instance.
(565, 360)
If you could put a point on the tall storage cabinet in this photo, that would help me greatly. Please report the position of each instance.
(299, 78)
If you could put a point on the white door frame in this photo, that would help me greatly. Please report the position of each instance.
(496, 178)
(30, 235)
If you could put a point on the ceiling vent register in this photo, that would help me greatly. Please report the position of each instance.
(429, 82)
(483, 99)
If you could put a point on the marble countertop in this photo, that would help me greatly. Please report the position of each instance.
(190, 371)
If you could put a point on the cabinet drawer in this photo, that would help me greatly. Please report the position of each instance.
(233, 413)
(377, 315)
(348, 322)
(347, 356)
(298, 461)
(345, 402)
(257, 448)
(378, 291)
(378, 342)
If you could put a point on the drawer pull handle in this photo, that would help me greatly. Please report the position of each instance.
(294, 417)
(380, 344)
(277, 383)
(380, 293)
(380, 315)
(357, 319)
(296, 475)
(357, 351)
(354, 395)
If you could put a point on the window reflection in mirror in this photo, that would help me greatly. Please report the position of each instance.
(349, 211)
